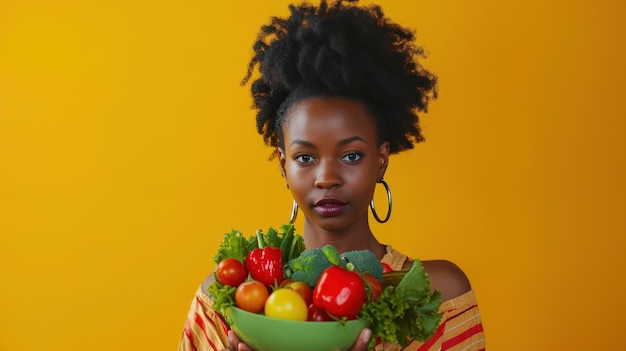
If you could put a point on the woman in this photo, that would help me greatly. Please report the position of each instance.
(338, 92)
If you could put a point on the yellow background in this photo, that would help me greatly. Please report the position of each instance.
(127, 148)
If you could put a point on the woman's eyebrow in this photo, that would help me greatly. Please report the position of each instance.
(301, 142)
(351, 139)
(343, 142)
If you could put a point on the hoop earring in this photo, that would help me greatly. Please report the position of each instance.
(388, 203)
(294, 212)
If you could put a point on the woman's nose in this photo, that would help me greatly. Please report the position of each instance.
(328, 175)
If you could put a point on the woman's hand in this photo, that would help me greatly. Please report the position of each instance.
(361, 343)
(234, 344)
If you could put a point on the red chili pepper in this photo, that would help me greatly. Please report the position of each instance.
(340, 292)
(266, 265)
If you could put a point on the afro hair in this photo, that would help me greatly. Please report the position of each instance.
(341, 50)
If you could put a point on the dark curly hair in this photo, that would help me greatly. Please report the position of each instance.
(341, 50)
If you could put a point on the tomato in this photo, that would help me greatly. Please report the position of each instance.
(230, 271)
(251, 296)
(374, 287)
(286, 303)
(301, 288)
(285, 282)
(386, 268)
(317, 314)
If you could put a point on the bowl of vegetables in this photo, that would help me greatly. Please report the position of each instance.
(277, 295)
(264, 333)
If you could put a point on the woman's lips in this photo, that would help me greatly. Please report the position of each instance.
(329, 207)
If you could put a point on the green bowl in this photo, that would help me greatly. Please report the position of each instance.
(264, 333)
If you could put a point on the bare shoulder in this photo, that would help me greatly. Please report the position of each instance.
(447, 277)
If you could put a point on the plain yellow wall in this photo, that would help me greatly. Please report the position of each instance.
(127, 148)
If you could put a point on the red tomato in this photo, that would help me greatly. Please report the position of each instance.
(386, 268)
(301, 288)
(251, 296)
(230, 271)
(374, 287)
(317, 314)
(285, 282)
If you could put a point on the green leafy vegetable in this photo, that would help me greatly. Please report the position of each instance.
(404, 311)
(234, 245)
(415, 287)
(223, 296)
(291, 245)
(383, 315)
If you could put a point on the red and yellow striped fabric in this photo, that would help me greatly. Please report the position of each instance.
(205, 330)
(460, 329)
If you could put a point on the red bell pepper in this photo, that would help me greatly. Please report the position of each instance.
(340, 292)
(266, 265)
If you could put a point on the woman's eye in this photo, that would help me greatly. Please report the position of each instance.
(352, 157)
(305, 158)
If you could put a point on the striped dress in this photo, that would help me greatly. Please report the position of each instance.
(460, 329)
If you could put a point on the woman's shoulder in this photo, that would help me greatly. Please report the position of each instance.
(444, 275)
(447, 277)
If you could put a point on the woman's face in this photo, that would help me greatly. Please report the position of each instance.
(332, 161)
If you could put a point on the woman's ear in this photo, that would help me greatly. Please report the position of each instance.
(383, 159)
(281, 159)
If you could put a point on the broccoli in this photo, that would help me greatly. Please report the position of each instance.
(364, 261)
(312, 263)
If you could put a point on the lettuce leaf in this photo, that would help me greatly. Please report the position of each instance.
(223, 296)
(404, 311)
(235, 245)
